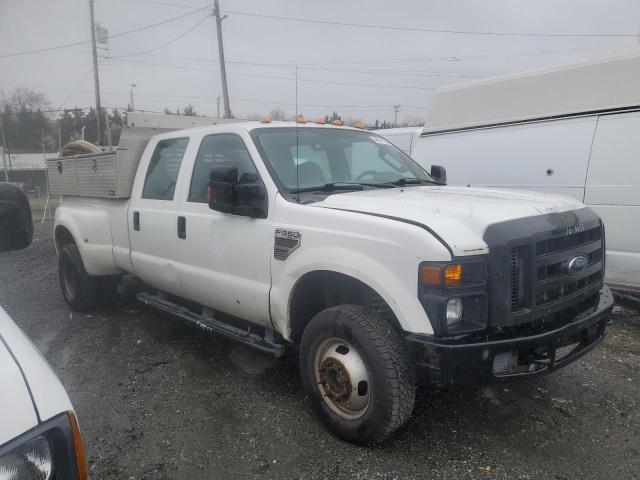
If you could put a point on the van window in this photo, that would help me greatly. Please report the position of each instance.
(162, 174)
(220, 149)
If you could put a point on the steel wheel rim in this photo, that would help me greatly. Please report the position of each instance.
(70, 283)
(342, 378)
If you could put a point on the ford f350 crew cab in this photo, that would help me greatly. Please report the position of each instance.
(332, 240)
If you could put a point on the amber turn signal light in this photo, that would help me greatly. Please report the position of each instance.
(430, 275)
(453, 275)
(81, 463)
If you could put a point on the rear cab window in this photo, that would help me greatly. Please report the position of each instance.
(163, 170)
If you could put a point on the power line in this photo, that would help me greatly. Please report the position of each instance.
(169, 4)
(400, 73)
(66, 45)
(307, 80)
(428, 30)
(75, 90)
(175, 39)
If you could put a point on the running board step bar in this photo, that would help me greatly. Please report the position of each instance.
(213, 326)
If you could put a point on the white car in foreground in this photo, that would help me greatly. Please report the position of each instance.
(39, 434)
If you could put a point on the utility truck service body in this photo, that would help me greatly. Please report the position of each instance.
(331, 239)
(570, 131)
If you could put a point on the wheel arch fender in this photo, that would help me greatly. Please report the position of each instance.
(91, 232)
(399, 294)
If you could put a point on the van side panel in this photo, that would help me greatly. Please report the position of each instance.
(544, 156)
(613, 192)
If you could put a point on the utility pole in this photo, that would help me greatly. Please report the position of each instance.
(95, 68)
(108, 129)
(133, 105)
(4, 164)
(223, 71)
(396, 109)
(3, 149)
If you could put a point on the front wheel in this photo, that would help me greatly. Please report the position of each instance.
(356, 370)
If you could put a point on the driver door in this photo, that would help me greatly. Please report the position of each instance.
(224, 258)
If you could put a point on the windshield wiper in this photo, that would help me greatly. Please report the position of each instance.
(330, 187)
(401, 182)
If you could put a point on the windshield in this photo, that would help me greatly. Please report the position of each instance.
(309, 158)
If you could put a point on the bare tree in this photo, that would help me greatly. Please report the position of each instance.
(189, 111)
(277, 114)
(24, 99)
(413, 121)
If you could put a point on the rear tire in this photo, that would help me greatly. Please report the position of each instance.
(356, 370)
(80, 290)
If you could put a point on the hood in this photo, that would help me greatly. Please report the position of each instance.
(458, 215)
(30, 389)
(17, 413)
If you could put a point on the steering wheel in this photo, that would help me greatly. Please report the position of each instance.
(364, 174)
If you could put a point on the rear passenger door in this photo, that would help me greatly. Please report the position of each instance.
(152, 216)
(224, 258)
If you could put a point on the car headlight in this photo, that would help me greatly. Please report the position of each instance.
(454, 295)
(32, 460)
(52, 450)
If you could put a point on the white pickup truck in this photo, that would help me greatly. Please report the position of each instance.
(330, 240)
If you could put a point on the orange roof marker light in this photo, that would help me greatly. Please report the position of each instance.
(320, 121)
(336, 122)
(358, 125)
(300, 119)
(265, 119)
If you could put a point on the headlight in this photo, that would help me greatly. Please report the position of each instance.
(52, 450)
(32, 460)
(454, 295)
(454, 311)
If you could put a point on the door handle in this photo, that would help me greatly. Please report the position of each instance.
(136, 221)
(182, 227)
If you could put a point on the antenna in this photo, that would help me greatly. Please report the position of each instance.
(297, 161)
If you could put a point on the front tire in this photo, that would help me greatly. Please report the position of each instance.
(356, 370)
(80, 290)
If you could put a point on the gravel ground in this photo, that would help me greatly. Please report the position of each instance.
(159, 399)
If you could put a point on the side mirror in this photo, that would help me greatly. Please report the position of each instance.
(16, 222)
(439, 174)
(246, 197)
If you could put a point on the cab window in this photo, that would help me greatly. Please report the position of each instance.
(162, 174)
(220, 149)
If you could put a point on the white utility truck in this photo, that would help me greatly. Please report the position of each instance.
(571, 131)
(330, 240)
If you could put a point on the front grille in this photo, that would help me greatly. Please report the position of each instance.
(517, 277)
(552, 283)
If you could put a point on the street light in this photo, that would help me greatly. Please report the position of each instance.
(133, 106)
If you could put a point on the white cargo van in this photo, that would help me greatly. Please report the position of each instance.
(571, 131)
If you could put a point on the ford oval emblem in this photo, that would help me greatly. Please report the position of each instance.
(577, 264)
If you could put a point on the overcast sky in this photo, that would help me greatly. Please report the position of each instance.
(360, 72)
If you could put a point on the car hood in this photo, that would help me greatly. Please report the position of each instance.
(458, 215)
(29, 387)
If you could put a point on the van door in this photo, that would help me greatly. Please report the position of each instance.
(549, 156)
(613, 191)
(224, 258)
(152, 216)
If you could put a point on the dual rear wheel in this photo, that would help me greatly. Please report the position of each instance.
(82, 291)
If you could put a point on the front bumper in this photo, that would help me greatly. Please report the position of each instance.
(446, 362)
